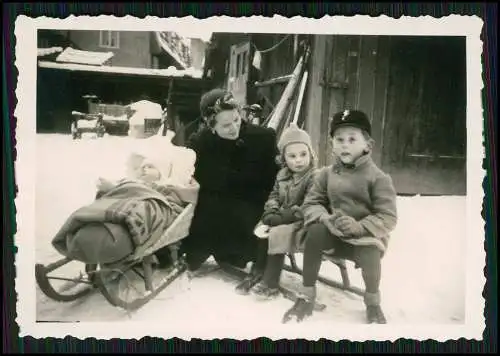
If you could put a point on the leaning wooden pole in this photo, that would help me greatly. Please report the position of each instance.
(301, 97)
(287, 95)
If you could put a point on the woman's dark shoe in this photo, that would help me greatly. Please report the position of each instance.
(300, 310)
(375, 315)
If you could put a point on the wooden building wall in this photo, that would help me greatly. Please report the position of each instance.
(59, 92)
(414, 90)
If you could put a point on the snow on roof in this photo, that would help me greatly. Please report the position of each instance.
(169, 72)
(71, 55)
(47, 51)
(164, 45)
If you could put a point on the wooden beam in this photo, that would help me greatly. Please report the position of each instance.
(338, 86)
(273, 81)
(315, 91)
(380, 93)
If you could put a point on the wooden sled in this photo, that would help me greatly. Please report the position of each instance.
(340, 263)
(132, 282)
(112, 280)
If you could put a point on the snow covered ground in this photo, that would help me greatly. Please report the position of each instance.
(423, 278)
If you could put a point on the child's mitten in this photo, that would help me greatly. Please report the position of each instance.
(273, 219)
(297, 211)
(329, 221)
(349, 226)
(289, 216)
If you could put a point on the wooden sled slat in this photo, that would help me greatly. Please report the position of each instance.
(178, 230)
(344, 285)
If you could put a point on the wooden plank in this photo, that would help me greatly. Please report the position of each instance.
(352, 72)
(380, 91)
(324, 153)
(315, 91)
(338, 62)
(273, 81)
(366, 74)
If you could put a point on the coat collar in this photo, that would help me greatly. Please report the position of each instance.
(286, 174)
(359, 163)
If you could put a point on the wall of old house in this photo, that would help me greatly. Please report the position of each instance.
(198, 48)
(413, 89)
(59, 92)
(415, 99)
(134, 47)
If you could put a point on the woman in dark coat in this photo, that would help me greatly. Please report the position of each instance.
(236, 168)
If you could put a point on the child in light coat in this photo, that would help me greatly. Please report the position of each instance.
(351, 208)
(282, 212)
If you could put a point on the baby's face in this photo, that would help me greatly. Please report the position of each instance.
(149, 173)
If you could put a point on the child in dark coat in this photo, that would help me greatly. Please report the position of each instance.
(282, 215)
(350, 208)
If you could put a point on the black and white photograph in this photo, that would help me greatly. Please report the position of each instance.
(244, 178)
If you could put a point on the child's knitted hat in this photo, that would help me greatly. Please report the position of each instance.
(354, 118)
(293, 134)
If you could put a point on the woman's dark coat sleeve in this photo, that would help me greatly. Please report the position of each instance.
(250, 176)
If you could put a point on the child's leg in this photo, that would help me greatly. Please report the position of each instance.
(273, 270)
(369, 260)
(268, 287)
(318, 239)
(258, 267)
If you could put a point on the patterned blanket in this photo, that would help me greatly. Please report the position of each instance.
(122, 222)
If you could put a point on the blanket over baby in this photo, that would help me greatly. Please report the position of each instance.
(125, 221)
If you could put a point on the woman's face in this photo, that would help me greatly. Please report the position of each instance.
(227, 124)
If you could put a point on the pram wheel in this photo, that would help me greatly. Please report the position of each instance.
(133, 285)
(72, 289)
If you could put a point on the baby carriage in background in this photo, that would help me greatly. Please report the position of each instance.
(126, 276)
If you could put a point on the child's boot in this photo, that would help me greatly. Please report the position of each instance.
(249, 281)
(303, 307)
(374, 313)
(263, 292)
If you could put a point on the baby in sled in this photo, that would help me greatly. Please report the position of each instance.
(129, 215)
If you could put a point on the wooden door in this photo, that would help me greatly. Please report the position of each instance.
(238, 71)
(349, 81)
(424, 136)
(414, 91)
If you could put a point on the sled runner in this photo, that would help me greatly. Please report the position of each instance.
(128, 274)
